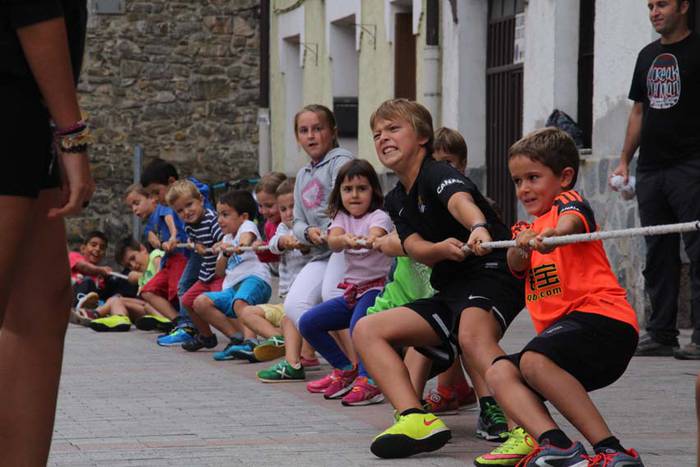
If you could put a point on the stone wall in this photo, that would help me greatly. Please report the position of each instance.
(180, 78)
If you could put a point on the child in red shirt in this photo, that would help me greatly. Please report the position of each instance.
(587, 331)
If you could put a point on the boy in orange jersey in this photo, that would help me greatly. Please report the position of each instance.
(587, 331)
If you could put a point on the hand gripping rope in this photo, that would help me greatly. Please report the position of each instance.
(593, 236)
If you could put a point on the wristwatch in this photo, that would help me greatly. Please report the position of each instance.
(485, 225)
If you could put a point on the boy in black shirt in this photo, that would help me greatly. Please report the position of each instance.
(435, 209)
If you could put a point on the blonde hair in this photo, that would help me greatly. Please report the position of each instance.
(136, 188)
(269, 182)
(410, 111)
(286, 187)
(182, 188)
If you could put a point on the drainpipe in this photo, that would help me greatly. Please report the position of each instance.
(264, 146)
(137, 164)
(431, 61)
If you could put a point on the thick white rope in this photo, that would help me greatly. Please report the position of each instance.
(119, 275)
(603, 235)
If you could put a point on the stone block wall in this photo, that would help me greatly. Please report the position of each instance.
(180, 78)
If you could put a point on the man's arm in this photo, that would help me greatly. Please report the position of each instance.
(632, 139)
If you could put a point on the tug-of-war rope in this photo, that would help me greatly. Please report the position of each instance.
(549, 241)
(603, 235)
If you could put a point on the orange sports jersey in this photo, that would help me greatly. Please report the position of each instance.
(574, 277)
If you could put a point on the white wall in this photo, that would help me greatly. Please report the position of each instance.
(291, 34)
(622, 29)
(550, 79)
(464, 74)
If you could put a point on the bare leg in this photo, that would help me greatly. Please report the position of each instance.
(205, 313)
(566, 394)
(238, 306)
(418, 369)
(452, 376)
(518, 400)
(479, 333)
(31, 355)
(306, 350)
(292, 342)
(374, 338)
(163, 306)
(253, 317)
(342, 337)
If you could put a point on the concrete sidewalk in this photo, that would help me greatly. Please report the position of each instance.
(124, 401)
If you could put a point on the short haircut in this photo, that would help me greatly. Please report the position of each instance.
(286, 187)
(123, 245)
(136, 188)
(182, 188)
(450, 141)
(351, 169)
(551, 147)
(158, 171)
(269, 182)
(95, 234)
(242, 201)
(411, 111)
(324, 113)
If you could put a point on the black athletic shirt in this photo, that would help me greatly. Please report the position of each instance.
(424, 211)
(14, 14)
(667, 82)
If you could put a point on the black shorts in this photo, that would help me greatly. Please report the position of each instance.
(593, 348)
(494, 291)
(27, 140)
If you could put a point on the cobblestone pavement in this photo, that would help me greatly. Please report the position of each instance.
(124, 401)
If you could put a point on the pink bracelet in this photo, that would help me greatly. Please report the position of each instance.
(77, 127)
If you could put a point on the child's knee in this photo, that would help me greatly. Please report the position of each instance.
(363, 333)
(499, 374)
(532, 365)
(306, 326)
(202, 302)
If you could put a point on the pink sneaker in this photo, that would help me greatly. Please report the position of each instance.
(363, 393)
(319, 385)
(341, 383)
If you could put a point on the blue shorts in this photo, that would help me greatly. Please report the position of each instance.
(251, 290)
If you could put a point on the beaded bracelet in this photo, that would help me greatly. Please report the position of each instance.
(74, 139)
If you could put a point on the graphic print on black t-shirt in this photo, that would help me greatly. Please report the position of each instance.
(664, 82)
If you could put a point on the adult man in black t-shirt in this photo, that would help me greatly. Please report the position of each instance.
(665, 124)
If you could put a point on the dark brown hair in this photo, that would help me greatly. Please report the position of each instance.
(324, 113)
(410, 111)
(552, 148)
(450, 141)
(350, 170)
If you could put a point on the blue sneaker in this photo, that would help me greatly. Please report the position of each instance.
(547, 455)
(245, 352)
(178, 337)
(610, 457)
(232, 349)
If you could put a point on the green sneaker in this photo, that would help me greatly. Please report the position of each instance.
(115, 323)
(281, 372)
(270, 349)
(514, 449)
(491, 422)
(411, 434)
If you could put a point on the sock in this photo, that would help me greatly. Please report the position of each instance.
(486, 400)
(608, 443)
(296, 365)
(208, 339)
(371, 381)
(347, 367)
(410, 411)
(556, 438)
(237, 336)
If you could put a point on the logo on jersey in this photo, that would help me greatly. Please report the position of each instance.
(448, 182)
(312, 194)
(664, 82)
(421, 205)
(543, 281)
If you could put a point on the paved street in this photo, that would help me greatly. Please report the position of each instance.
(124, 401)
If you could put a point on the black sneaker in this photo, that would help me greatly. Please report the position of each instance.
(688, 352)
(648, 347)
(199, 342)
(245, 351)
(491, 423)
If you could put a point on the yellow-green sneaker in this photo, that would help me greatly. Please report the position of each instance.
(411, 434)
(114, 323)
(514, 449)
(154, 322)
